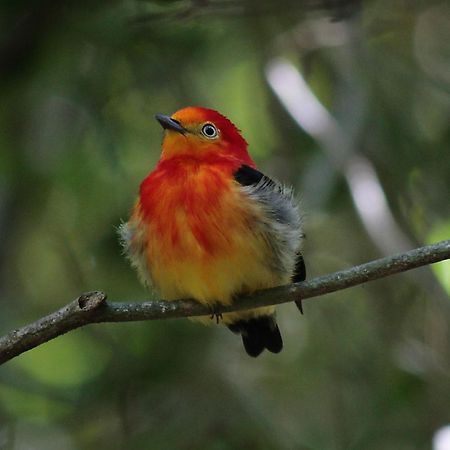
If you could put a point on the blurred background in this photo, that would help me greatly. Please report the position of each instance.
(348, 101)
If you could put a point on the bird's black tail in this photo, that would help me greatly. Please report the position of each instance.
(259, 333)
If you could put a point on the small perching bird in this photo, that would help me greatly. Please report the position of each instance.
(209, 226)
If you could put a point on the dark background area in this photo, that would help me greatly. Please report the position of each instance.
(347, 101)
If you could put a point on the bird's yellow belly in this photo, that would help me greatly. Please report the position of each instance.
(228, 258)
(214, 280)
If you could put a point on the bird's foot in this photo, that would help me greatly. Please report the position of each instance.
(215, 314)
(299, 306)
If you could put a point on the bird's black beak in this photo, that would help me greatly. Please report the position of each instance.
(170, 124)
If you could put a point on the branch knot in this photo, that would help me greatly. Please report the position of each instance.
(91, 300)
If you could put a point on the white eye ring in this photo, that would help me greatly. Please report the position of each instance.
(209, 131)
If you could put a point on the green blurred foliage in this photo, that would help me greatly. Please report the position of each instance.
(366, 368)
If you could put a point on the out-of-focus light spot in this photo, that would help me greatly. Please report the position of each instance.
(367, 193)
(371, 204)
(293, 91)
(305, 108)
(441, 439)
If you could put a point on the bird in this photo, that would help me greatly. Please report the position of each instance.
(208, 225)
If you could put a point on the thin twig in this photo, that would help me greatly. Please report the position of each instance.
(92, 307)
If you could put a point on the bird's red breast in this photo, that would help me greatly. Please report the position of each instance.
(191, 191)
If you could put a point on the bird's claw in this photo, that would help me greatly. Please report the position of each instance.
(217, 315)
(299, 306)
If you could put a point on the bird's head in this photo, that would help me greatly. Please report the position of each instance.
(197, 132)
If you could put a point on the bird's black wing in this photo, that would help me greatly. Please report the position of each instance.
(248, 176)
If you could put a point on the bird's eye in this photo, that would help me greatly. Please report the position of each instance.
(209, 130)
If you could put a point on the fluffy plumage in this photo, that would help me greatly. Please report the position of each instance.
(208, 225)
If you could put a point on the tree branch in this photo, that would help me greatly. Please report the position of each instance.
(92, 307)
